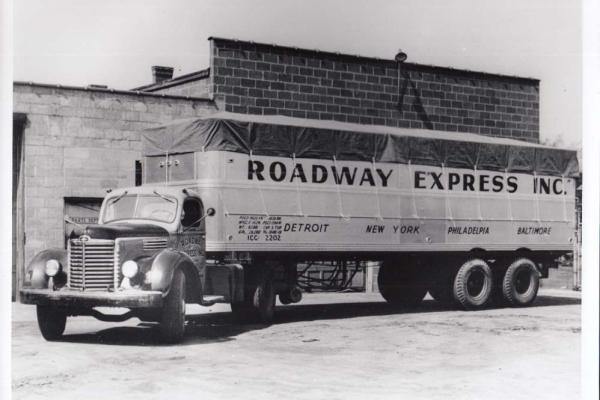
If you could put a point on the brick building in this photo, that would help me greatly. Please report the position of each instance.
(71, 144)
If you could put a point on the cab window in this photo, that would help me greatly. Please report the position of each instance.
(191, 214)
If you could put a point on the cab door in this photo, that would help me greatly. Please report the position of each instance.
(191, 236)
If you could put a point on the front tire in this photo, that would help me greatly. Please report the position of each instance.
(172, 317)
(51, 321)
(473, 284)
(521, 283)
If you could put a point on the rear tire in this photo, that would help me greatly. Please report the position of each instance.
(403, 285)
(521, 283)
(264, 300)
(259, 301)
(172, 316)
(51, 321)
(473, 284)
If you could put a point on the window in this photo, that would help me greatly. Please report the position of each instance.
(138, 173)
(191, 214)
(157, 208)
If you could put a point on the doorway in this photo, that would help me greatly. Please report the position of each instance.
(18, 233)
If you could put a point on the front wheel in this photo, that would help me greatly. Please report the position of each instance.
(172, 316)
(51, 321)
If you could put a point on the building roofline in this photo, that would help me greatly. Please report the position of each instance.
(192, 76)
(392, 62)
(112, 91)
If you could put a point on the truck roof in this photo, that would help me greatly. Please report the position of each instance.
(282, 136)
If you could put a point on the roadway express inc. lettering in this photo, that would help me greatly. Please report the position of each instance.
(277, 171)
(465, 181)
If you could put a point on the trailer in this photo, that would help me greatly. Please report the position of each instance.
(231, 204)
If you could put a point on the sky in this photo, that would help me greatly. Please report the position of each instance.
(112, 42)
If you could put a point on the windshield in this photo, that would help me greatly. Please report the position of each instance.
(140, 206)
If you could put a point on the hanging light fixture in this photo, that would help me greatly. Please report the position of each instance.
(400, 59)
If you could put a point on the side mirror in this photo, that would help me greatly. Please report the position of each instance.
(209, 213)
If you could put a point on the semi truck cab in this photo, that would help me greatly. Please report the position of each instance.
(147, 253)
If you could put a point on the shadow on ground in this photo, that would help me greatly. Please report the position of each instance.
(222, 327)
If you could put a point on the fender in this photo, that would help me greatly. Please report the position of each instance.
(36, 270)
(164, 266)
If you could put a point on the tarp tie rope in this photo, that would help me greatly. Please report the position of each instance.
(508, 196)
(536, 183)
(225, 210)
(339, 193)
(564, 197)
(447, 200)
(400, 195)
(478, 195)
(166, 167)
(298, 195)
(412, 190)
(260, 192)
(378, 216)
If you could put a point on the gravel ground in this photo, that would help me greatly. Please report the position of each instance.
(333, 346)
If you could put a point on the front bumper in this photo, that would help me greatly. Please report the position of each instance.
(76, 298)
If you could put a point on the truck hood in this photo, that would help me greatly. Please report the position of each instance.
(114, 231)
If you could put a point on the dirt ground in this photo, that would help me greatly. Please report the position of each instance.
(330, 346)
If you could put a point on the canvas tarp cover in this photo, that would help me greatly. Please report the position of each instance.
(294, 137)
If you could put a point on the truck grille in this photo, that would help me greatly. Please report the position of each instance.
(155, 244)
(92, 264)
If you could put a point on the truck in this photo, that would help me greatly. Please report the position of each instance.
(232, 204)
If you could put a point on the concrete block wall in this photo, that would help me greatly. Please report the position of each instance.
(78, 143)
(198, 88)
(253, 78)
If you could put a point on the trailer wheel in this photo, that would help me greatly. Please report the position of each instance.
(264, 300)
(172, 315)
(259, 302)
(473, 284)
(521, 283)
(401, 285)
(51, 321)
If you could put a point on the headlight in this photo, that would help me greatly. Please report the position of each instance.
(52, 267)
(129, 269)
